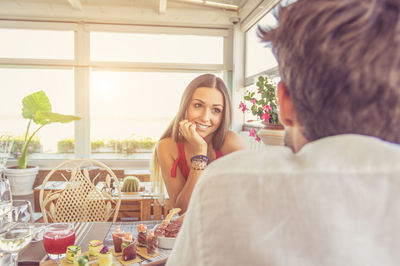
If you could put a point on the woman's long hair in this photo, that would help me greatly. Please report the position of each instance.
(206, 80)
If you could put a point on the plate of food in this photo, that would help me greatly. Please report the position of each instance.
(168, 230)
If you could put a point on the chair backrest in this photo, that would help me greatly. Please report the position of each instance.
(81, 200)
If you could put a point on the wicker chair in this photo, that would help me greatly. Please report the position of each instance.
(80, 200)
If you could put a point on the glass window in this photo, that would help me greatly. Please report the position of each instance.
(259, 57)
(130, 110)
(58, 84)
(135, 47)
(38, 44)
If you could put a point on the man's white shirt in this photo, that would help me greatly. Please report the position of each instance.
(335, 202)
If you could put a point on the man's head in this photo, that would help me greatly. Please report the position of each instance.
(339, 62)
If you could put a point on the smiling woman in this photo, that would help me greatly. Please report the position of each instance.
(199, 134)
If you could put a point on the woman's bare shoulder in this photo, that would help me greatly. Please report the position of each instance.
(167, 146)
(233, 142)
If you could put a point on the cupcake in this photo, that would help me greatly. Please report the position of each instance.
(117, 236)
(152, 243)
(73, 251)
(142, 234)
(128, 248)
(105, 257)
(94, 248)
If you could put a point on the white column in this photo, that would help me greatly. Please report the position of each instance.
(82, 86)
(237, 77)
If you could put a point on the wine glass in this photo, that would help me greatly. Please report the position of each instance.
(6, 143)
(57, 238)
(16, 230)
(5, 197)
(21, 212)
(14, 237)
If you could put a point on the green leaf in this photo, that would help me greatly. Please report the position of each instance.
(261, 78)
(83, 260)
(37, 101)
(45, 118)
(247, 98)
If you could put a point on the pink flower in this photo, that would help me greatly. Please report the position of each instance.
(243, 107)
(265, 117)
(267, 107)
(253, 101)
(252, 133)
(259, 91)
(258, 139)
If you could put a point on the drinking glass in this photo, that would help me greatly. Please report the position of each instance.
(6, 143)
(5, 259)
(57, 238)
(14, 237)
(21, 212)
(5, 197)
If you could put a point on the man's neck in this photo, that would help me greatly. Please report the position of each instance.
(295, 139)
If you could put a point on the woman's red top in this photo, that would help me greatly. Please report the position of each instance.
(181, 161)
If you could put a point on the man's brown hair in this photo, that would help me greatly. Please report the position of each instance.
(340, 60)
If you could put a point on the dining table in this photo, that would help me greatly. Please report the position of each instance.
(35, 254)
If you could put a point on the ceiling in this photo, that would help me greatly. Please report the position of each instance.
(162, 4)
(202, 13)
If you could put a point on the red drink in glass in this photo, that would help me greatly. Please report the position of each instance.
(57, 238)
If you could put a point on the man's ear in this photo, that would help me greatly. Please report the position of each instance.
(286, 112)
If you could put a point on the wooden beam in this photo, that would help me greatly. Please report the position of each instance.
(76, 4)
(163, 7)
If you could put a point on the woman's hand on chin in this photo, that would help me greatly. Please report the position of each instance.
(188, 131)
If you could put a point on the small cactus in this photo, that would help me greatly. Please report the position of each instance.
(130, 184)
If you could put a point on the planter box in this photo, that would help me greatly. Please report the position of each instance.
(272, 136)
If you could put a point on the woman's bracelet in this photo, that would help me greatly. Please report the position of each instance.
(198, 168)
(199, 162)
(200, 157)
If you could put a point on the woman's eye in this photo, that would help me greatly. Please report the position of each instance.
(216, 110)
(197, 105)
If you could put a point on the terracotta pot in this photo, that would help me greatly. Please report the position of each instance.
(272, 126)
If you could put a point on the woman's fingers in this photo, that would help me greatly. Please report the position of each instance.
(184, 127)
(192, 128)
(187, 129)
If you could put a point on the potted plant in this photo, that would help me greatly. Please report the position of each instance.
(264, 105)
(36, 108)
(66, 145)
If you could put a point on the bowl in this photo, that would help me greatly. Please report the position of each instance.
(165, 242)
